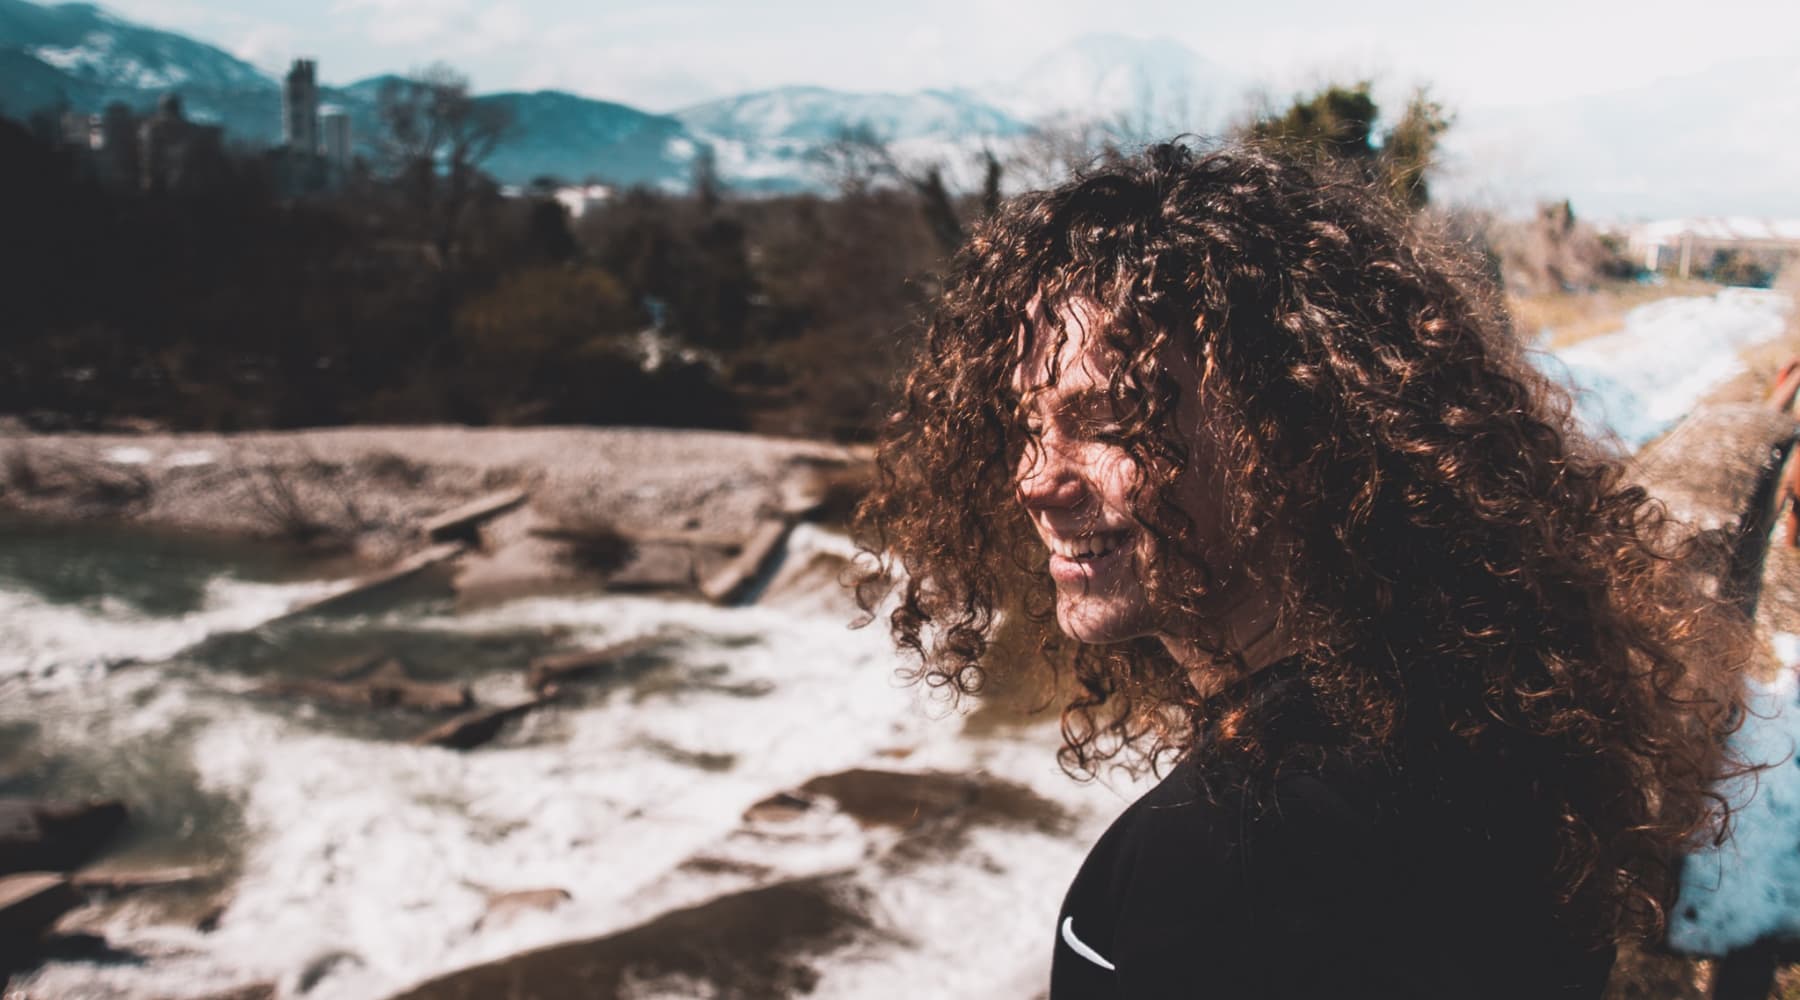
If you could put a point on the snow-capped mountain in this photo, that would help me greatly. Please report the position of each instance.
(80, 57)
(91, 45)
(1155, 86)
(575, 138)
(765, 139)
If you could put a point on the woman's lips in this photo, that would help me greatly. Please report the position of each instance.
(1081, 559)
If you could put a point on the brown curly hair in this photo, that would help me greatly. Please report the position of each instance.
(1459, 568)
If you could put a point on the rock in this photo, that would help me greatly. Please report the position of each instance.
(470, 730)
(387, 686)
(248, 991)
(55, 836)
(320, 967)
(504, 906)
(913, 799)
(30, 902)
(757, 943)
(782, 807)
(121, 881)
(546, 671)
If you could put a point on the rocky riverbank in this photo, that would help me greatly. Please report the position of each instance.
(629, 508)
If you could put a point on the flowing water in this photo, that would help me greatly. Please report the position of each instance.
(346, 862)
(355, 864)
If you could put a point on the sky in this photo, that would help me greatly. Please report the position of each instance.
(1494, 64)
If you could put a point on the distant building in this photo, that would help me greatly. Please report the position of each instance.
(174, 153)
(81, 130)
(1684, 246)
(334, 137)
(300, 107)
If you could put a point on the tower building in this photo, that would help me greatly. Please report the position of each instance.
(300, 107)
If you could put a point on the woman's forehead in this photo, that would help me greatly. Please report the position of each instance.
(1063, 347)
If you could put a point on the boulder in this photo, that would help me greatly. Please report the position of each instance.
(547, 671)
(55, 836)
(504, 906)
(759, 943)
(472, 729)
(386, 686)
(30, 902)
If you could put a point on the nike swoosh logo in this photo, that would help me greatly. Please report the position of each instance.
(1081, 948)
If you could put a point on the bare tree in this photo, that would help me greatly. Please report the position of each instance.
(435, 136)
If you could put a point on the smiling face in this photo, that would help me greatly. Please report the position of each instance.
(1079, 483)
(1076, 480)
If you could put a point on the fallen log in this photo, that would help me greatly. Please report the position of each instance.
(362, 587)
(734, 577)
(464, 523)
(470, 730)
(546, 671)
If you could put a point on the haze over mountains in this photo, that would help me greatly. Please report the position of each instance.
(1714, 140)
(81, 57)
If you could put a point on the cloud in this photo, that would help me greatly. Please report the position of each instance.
(268, 46)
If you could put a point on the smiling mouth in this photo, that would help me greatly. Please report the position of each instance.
(1089, 548)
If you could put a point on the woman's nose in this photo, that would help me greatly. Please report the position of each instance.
(1049, 477)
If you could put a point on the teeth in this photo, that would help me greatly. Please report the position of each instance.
(1088, 546)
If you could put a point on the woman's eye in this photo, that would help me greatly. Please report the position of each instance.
(1105, 431)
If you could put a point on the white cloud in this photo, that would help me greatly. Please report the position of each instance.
(266, 46)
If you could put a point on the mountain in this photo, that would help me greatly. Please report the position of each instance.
(1154, 86)
(574, 138)
(763, 139)
(82, 57)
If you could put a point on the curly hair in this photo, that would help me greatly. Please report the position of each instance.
(1460, 569)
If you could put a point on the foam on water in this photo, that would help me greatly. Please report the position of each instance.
(387, 852)
(40, 637)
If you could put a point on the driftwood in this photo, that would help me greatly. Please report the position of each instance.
(387, 686)
(362, 587)
(464, 523)
(472, 729)
(548, 671)
(729, 583)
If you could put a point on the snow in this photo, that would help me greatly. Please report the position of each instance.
(1637, 383)
(1748, 888)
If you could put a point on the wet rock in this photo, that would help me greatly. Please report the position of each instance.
(782, 807)
(758, 943)
(55, 836)
(504, 906)
(547, 671)
(248, 991)
(913, 799)
(30, 902)
(115, 881)
(465, 732)
(321, 967)
(386, 686)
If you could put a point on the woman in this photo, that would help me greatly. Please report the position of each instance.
(1265, 470)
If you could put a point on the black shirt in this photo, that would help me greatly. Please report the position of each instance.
(1327, 879)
